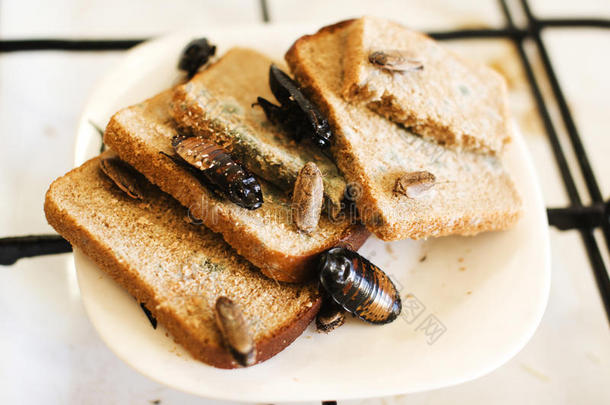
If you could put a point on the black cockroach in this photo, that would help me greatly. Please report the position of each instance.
(290, 118)
(216, 169)
(296, 114)
(287, 92)
(196, 54)
(359, 286)
(280, 115)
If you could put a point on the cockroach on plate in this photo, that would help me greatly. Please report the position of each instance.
(296, 114)
(359, 286)
(330, 316)
(216, 169)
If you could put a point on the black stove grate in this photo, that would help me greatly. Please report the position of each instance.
(534, 29)
(584, 219)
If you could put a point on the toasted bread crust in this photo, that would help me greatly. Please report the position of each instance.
(201, 348)
(379, 211)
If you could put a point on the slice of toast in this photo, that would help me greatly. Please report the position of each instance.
(267, 237)
(217, 104)
(456, 102)
(472, 192)
(176, 269)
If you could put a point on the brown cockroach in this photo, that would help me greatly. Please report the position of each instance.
(395, 60)
(235, 331)
(123, 176)
(215, 168)
(414, 184)
(307, 198)
(359, 286)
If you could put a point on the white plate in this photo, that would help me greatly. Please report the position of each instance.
(486, 294)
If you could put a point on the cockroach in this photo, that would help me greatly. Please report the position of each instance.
(330, 316)
(307, 198)
(359, 286)
(235, 332)
(414, 184)
(395, 60)
(196, 54)
(123, 176)
(290, 119)
(215, 168)
(288, 93)
(296, 114)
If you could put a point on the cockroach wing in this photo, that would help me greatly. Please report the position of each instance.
(198, 153)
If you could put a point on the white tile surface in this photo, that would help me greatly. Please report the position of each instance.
(426, 15)
(581, 8)
(117, 18)
(41, 94)
(579, 69)
(50, 353)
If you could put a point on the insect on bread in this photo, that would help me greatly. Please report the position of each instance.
(395, 60)
(296, 114)
(123, 176)
(215, 168)
(235, 332)
(414, 184)
(307, 198)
